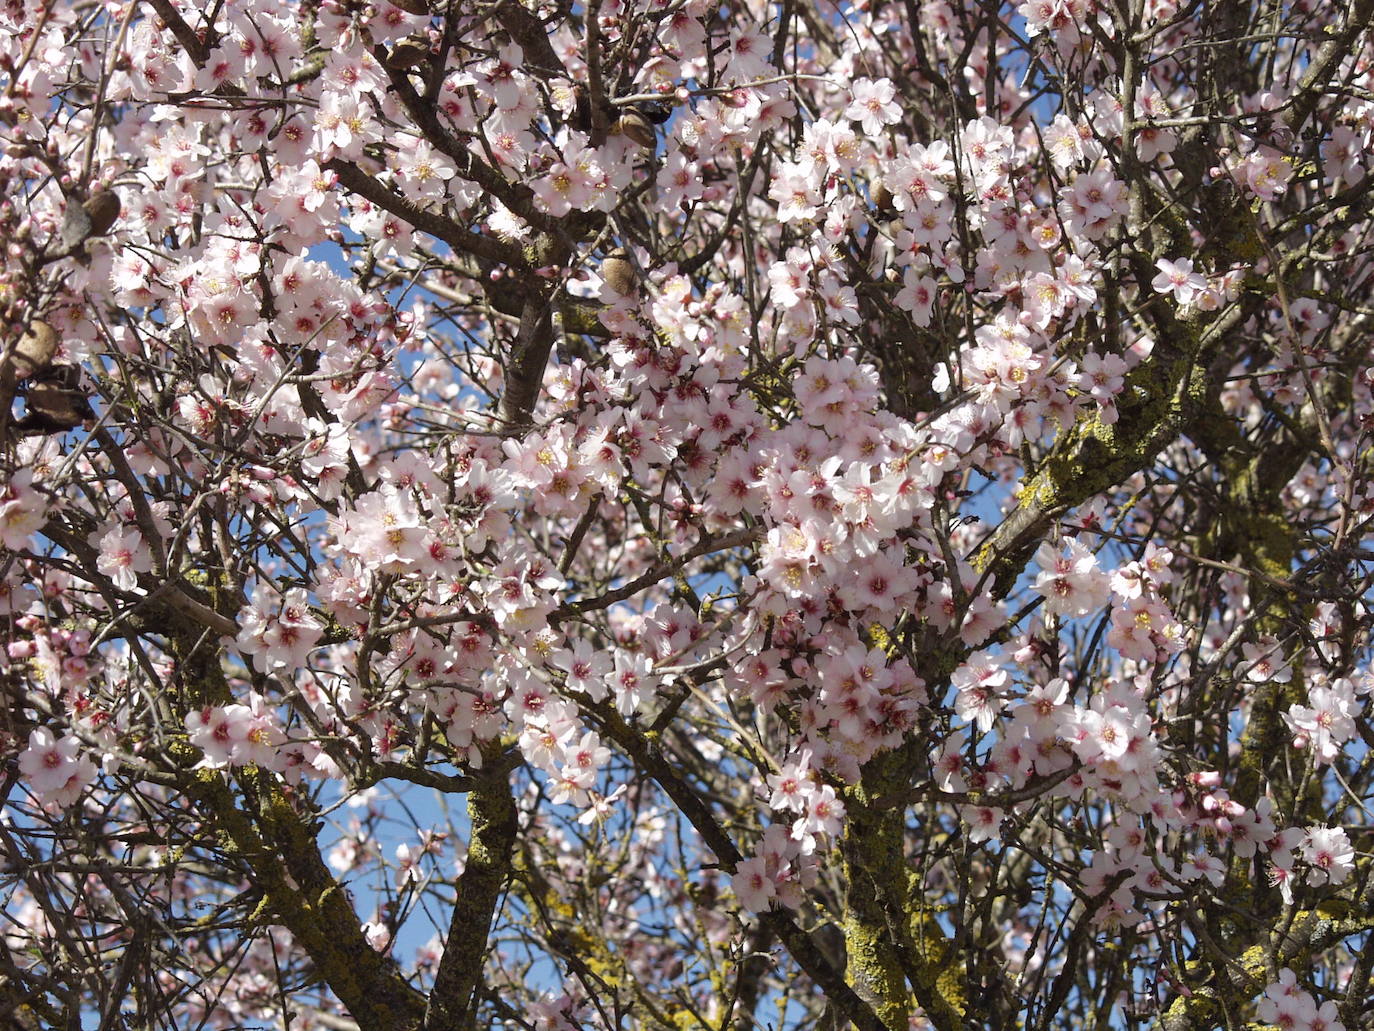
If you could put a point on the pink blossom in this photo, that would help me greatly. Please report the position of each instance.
(586, 669)
(123, 555)
(1327, 722)
(1071, 584)
(983, 822)
(22, 510)
(979, 683)
(790, 788)
(1265, 173)
(873, 104)
(1179, 279)
(752, 885)
(1329, 854)
(221, 732)
(54, 768)
(1264, 662)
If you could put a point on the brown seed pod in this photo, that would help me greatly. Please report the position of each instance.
(407, 53)
(53, 407)
(655, 111)
(76, 227)
(619, 272)
(103, 209)
(635, 127)
(34, 351)
(581, 118)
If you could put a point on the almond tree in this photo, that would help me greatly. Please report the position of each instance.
(651, 514)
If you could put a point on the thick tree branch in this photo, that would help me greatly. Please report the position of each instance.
(438, 226)
(452, 1002)
(278, 844)
(527, 361)
(185, 35)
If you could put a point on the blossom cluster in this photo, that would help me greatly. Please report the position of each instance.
(1287, 1005)
(679, 420)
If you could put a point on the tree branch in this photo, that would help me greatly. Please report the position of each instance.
(452, 1003)
(438, 226)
